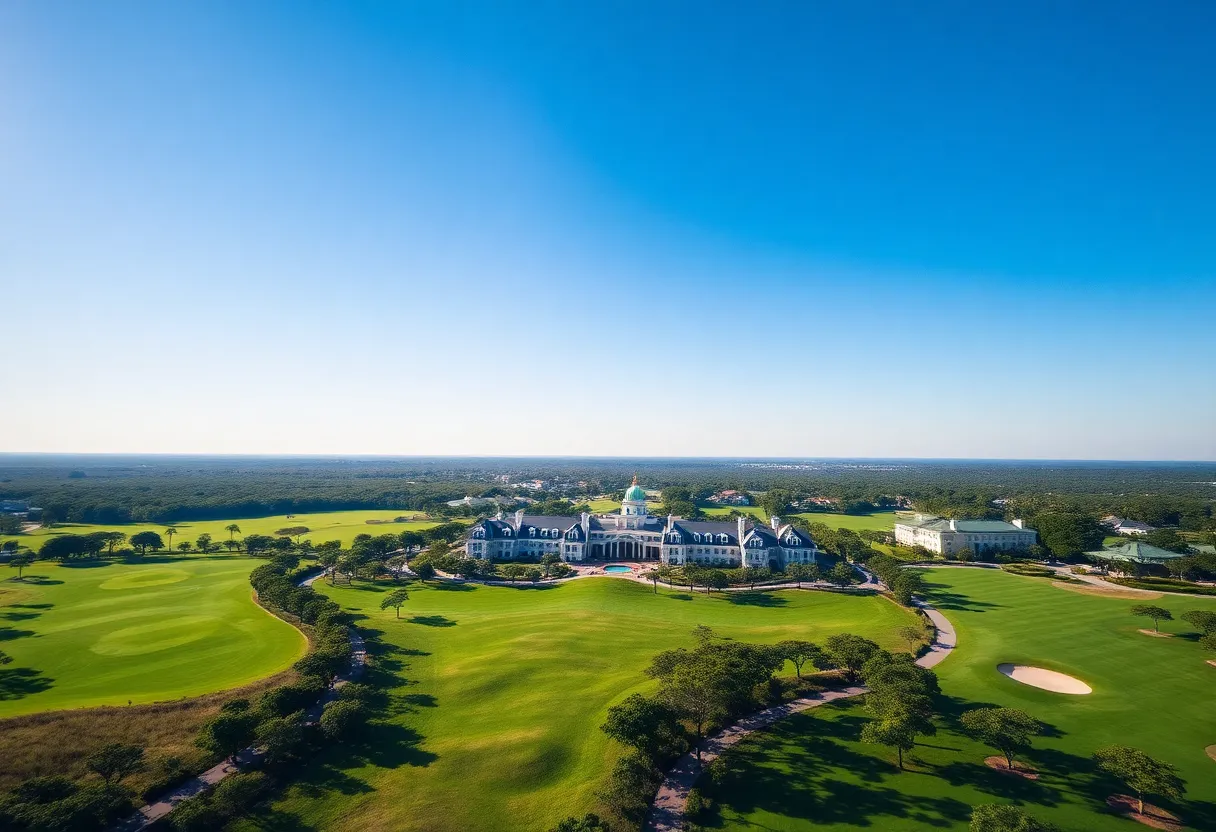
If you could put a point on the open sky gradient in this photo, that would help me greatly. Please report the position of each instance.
(779, 229)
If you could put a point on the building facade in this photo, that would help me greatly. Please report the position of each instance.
(634, 534)
(948, 537)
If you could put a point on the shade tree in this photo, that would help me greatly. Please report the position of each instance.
(1141, 773)
(394, 600)
(1158, 614)
(850, 653)
(1008, 730)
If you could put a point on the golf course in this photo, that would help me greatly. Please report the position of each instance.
(498, 694)
(105, 633)
(342, 526)
(812, 771)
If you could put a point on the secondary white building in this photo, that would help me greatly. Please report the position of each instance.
(947, 537)
(1127, 528)
(633, 534)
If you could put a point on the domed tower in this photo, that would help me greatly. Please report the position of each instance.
(634, 504)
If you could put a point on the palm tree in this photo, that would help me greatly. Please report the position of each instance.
(232, 528)
(169, 532)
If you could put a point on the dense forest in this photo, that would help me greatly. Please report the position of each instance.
(116, 489)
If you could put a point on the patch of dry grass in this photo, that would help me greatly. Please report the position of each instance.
(59, 742)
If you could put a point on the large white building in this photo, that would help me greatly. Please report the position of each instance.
(948, 537)
(633, 534)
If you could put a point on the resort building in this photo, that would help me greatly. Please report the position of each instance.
(634, 534)
(1136, 552)
(947, 537)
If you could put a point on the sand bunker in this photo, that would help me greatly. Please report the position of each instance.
(1046, 679)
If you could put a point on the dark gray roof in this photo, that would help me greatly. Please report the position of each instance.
(548, 521)
(688, 528)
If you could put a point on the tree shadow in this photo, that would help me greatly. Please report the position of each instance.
(432, 621)
(756, 599)
(12, 634)
(420, 700)
(30, 606)
(19, 682)
(449, 586)
(818, 793)
(40, 580)
(19, 616)
(678, 596)
(944, 598)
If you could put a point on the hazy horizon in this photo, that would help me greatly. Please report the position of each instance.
(959, 232)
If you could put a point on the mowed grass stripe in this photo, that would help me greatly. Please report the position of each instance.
(499, 694)
(812, 772)
(114, 634)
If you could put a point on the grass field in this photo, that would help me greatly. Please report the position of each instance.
(327, 525)
(879, 521)
(498, 695)
(812, 772)
(109, 633)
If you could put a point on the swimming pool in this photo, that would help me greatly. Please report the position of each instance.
(615, 570)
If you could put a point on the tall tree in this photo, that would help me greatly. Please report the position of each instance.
(143, 541)
(232, 529)
(1008, 730)
(799, 653)
(653, 576)
(169, 532)
(850, 653)
(395, 599)
(20, 562)
(1140, 773)
(204, 543)
(1158, 614)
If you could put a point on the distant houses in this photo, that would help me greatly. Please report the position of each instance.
(730, 497)
(1127, 528)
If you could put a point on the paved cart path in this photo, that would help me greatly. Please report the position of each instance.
(667, 811)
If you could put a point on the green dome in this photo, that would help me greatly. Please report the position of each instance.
(635, 494)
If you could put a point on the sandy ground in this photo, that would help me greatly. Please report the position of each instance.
(1156, 634)
(1211, 751)
(1039, 677)
(1020, 769)
(1153, 816)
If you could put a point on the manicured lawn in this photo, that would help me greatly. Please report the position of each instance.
(812, 771)
(754, 511)
(107, 634)
(879, 521)
(498, 695)
(327, 525)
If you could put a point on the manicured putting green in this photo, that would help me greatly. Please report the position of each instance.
(812, 771)
(499, 694)
(111, 633)
(322, 526)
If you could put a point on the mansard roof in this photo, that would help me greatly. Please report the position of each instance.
(549, 521)
(688, 528)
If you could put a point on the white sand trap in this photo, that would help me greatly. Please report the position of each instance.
(1050, 680)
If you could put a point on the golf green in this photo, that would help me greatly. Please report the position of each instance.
(498, 695)
(812, 771)
(110, 633)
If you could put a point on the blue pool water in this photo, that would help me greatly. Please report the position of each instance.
(616, 569)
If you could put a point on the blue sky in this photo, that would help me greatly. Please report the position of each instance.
(778, 229)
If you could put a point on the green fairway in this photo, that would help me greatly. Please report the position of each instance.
(498, 695)
(812, 771)
(106, 634)
(322, 526)
(879, 521)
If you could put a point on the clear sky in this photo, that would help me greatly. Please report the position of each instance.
(949, 229)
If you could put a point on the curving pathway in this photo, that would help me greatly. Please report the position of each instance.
(667, 811)
(152, 812)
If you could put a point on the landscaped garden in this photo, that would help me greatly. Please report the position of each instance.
(1154, 694)
(498, 694)
(112, 633)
